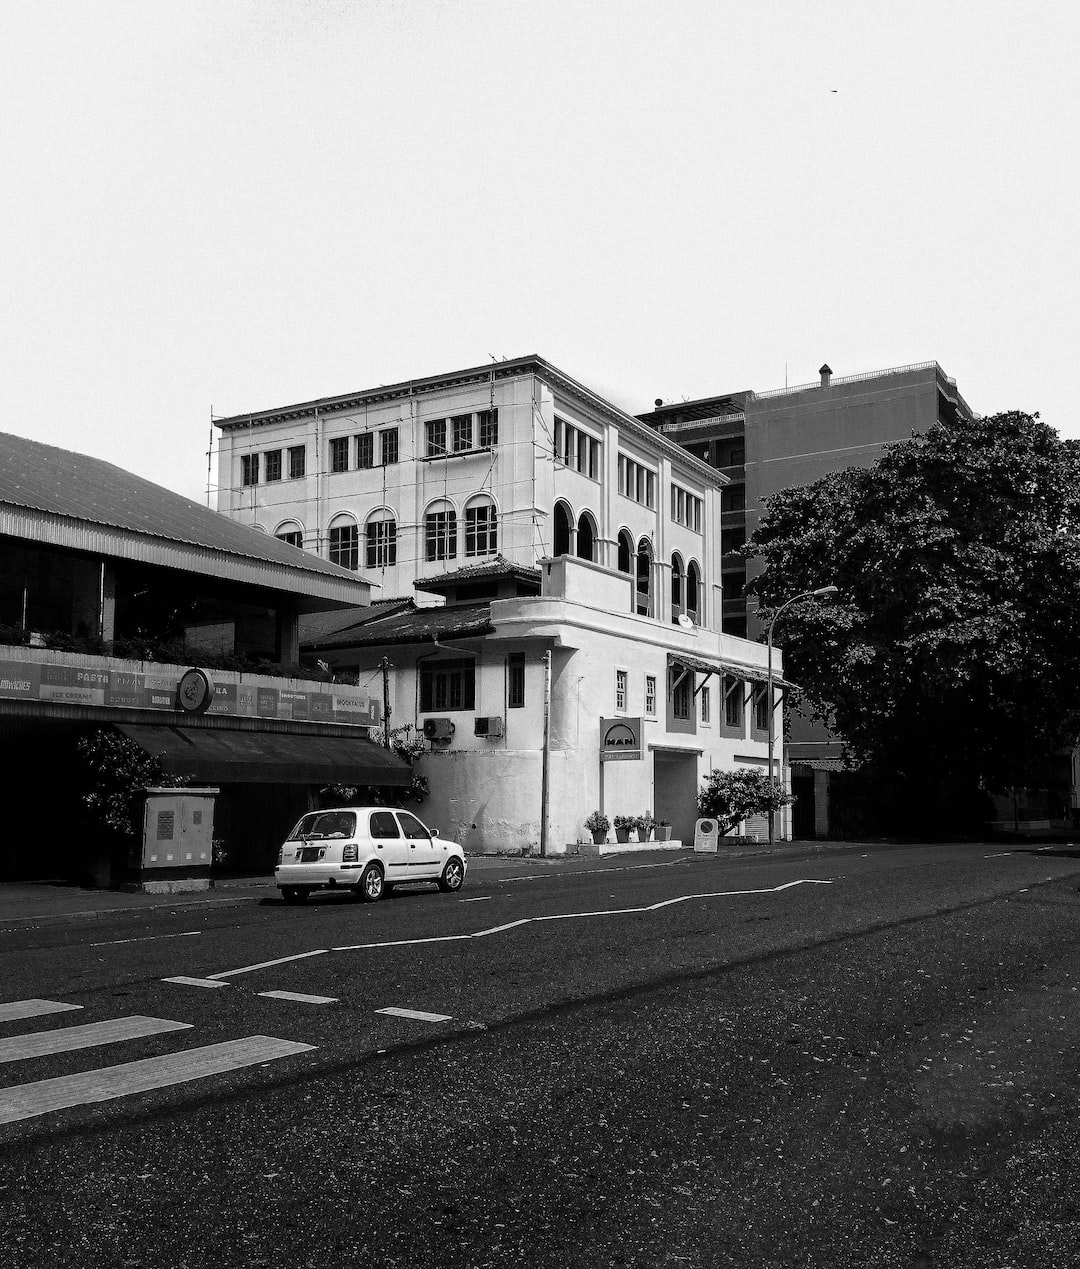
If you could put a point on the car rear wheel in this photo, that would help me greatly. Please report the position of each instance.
(453, 875)
(295, 894)
(371, 884)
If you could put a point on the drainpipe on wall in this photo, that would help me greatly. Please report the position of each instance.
(546, 750)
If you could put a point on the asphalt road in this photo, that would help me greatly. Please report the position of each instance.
(857, 1057)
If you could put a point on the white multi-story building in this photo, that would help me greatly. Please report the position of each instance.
(586, 547)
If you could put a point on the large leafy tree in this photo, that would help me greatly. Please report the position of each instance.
(950, 659)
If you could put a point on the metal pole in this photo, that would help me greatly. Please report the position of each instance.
(544, 757)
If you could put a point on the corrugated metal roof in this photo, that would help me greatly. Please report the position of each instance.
(109, 505)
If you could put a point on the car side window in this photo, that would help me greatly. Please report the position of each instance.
(383, 824)
(332, 824)
(411, 826)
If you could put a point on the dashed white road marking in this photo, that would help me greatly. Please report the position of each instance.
(17, 1010)
(482, 898)
(185, 981)
(28, 1100)
(416, 1015)
(1000, 855)
(66, 1039)
(299, 997)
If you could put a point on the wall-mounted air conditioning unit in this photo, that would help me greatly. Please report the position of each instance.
(490, 727)
(441, 729)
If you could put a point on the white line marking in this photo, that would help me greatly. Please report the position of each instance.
(416, 1015)
(28, 1100)
(149, 938)
(19, 1009)
(1000, 855)
(281, 960)
(575, 916)
(299, 997)
(64, 1040)
(483, 898)
(184, 981)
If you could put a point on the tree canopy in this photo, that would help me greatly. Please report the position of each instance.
(950, 658)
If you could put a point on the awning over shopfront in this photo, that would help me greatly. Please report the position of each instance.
(750, 673)
(247, 757)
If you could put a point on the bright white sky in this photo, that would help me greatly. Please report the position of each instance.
(229, 205)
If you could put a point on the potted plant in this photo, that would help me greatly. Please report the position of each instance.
(663, 831)
(644, 824)
(623, 825)
(598, 824)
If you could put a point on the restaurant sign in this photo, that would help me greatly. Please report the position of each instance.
(223, 692)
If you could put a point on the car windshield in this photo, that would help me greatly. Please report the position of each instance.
(320, 825)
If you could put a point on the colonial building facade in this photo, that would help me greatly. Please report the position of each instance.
(576, 552)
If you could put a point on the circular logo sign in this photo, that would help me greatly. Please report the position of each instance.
(195, 691)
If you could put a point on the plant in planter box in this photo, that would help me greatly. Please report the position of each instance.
(663, 831)
(598, 824)
(645, 825)
(623, 825)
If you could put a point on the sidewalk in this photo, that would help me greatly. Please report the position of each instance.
(24, 902)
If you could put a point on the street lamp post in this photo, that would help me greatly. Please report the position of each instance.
(806, 594)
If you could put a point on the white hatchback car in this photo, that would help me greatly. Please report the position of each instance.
(365, 849)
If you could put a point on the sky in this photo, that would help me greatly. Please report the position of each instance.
(215, 207)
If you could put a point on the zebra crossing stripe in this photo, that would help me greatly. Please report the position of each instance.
(17, 1010)
(15, 1048)
(416, 1015)
(28, 1100)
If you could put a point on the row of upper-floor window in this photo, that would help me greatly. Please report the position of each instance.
(379, 535)
(574, 447)
(737, 700)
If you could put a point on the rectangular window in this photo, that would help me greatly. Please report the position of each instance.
(620, 690)
(733, 702)
(297, 462)
(436, 436)
(388, 446)
(462, 432)
(345, 546)
(447, 685)
(293, 536)
(381, 546)
(481, 530)
(515, 682)
(636, 482)
(686, 508)
(576, 449)
(681, 693)
(365, 450)
(339, 453)
(249, 469)
(705, 709)
(650, 695)
(272, 469)
(761, 708)
(489, 428)
(440, 535)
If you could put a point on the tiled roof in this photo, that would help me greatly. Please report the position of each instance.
(414, 625)
(77, 487)
(500, 566)
(318, 629)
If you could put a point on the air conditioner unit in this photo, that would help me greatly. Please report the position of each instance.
(491, 727)
(438, 729)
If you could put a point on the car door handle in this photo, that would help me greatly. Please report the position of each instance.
(412, 845)
(378, 845)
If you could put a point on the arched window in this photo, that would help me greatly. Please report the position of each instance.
(481, 526)
(695, 605)
(291, 532)
(626, 552)
(676, 587)
(586, 536)
(643, 603)
(380, 533)
(564, 521)
(440, 532)
(344, 542)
